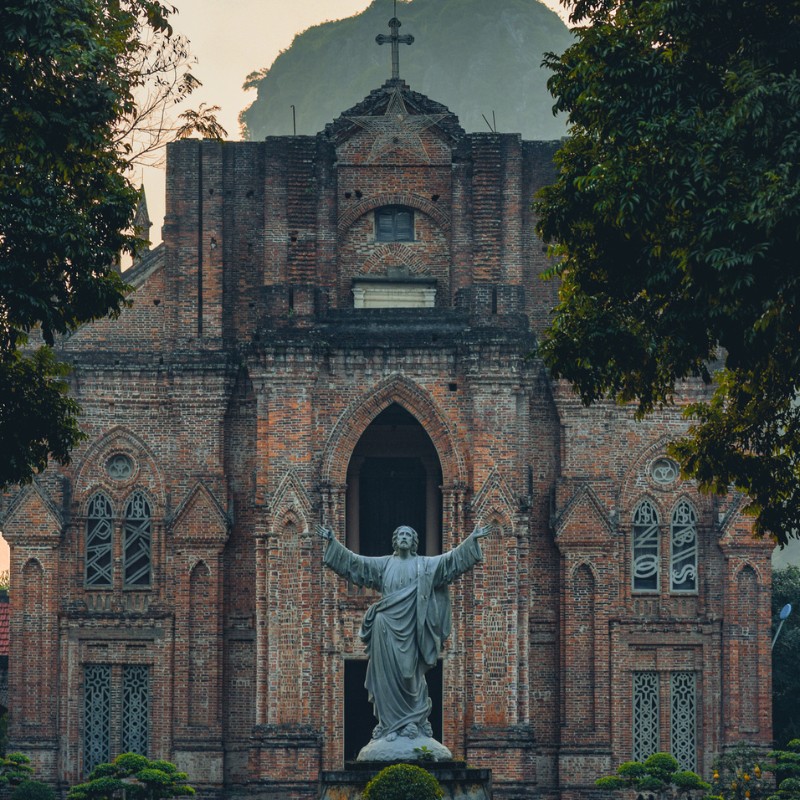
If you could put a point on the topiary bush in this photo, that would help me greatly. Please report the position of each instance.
(403, 782)
(33, 790)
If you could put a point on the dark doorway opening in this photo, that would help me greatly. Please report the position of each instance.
(358, 719)
(394, 478)
(392, 494)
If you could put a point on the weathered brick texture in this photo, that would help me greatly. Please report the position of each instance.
(239, 384)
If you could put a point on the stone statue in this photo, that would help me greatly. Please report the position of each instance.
(404, 633)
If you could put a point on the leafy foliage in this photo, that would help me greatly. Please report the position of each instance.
(139, 778)
(786, 656)
(787, 769)
(676, 219)
(475, 57)
(72, 119)
(739, 775)
(659, 775)
(403, 782)
(33, 790)
(14, 769)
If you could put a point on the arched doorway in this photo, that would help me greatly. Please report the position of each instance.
(394, 478)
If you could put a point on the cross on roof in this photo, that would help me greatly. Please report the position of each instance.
(395, 40)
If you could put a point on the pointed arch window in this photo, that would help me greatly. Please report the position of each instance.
(137, 542)
(645, 547)
(683, 549)
(99, 529)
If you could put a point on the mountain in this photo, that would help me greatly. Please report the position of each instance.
(475, 56)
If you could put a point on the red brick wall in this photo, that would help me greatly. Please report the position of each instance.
(240, 381)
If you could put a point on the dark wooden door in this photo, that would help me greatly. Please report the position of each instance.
(392, 493)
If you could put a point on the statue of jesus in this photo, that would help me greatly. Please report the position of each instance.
(404, 632)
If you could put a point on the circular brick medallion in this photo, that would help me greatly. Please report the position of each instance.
(119, 466)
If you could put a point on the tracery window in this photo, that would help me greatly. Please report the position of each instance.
(96, 715)
(137, 542)
(99, 543)
(683, 719)
(116, 712)
(135, 709)
(645, 715)
(645, 548)
(394, 224)
(683, 549)
(682, 709)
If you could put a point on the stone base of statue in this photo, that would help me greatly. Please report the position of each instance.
(457, 782)
(401, 748)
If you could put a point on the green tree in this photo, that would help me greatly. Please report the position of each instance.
(403, 782)
(675, 217)
(658, 775)
(787, 770)
(135, 778)
(33, 790)
(70, 124)
(14, 769)
(786, 656)
(739, 775)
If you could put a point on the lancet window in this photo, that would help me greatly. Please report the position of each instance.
(645, 547)
(99, 527)
(137, 542)
(683, 549)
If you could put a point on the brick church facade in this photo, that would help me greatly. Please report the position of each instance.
(341, 329)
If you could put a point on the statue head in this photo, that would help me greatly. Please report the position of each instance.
(414, 538)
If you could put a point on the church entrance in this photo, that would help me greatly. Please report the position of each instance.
(394, 478)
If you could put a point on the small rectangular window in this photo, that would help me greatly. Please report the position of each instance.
(394, 224)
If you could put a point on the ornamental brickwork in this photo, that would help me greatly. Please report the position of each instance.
(243, 399)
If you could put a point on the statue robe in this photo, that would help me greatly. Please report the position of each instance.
(405, 630)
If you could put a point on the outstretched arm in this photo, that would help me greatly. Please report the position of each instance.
(481, 531)
(324, 532)
(360, 570)
(457, 561)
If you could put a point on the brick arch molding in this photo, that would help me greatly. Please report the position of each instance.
(352, 424)
(125, 440)
(394, 199)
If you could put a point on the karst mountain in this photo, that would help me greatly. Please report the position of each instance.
(478, 57)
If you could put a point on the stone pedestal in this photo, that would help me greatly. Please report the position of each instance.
(458, 782)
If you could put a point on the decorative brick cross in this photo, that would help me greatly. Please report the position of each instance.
(395, 40)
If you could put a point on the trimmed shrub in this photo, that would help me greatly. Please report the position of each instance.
(403, 782)
(33, 790)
